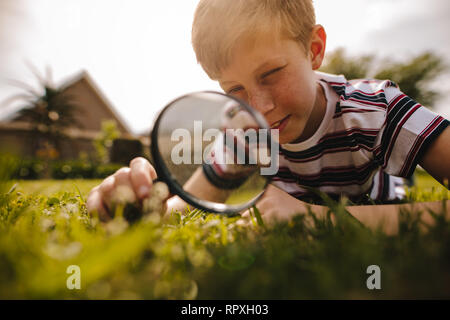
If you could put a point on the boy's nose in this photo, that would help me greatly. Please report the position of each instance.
(261, 101)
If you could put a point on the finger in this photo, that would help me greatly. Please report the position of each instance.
(105, 189)
(123, 190)
(246, 214)
(95, 204)
(243, 222)
(246, 219)
(107, 185)
(141, 174)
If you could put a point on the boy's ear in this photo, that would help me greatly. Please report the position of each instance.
(317, 46)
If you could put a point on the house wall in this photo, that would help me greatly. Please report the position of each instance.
(22, 142)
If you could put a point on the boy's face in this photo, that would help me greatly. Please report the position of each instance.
(276, 78)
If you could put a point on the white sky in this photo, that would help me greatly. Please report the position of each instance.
(139, 52)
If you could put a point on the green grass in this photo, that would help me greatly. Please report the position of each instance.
(44, 228)
(51, 187)
(427, 188)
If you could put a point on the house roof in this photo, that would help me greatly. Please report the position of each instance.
(84, 81)
(83, 76)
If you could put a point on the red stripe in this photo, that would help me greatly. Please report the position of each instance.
(369, 93)
(335, 150)
(217, 169)
(397, 131)
(339, 84)
(365, 102)
(326, 170)
(354, 82)
(337, 134)
(419, 142)
(394, 102)
(356, 90)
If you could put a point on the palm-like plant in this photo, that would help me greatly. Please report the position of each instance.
(49, 110)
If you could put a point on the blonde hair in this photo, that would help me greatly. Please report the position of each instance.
(219, 24)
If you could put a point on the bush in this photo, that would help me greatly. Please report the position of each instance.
(34, 169)
(29, 169)
(104, 170)
(77, 169)
(72, 169)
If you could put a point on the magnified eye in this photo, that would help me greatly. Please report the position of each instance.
(234, 90)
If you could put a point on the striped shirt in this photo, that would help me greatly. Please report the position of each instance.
(371, 135)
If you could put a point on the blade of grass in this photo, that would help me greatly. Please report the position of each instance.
(258, 216)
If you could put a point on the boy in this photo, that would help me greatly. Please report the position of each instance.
(345, 138)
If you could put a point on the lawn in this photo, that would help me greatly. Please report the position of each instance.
(44, 229)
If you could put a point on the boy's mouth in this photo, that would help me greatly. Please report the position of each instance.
(280, 124)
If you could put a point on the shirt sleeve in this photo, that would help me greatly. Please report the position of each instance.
(408, 130)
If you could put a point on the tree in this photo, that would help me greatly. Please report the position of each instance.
(413, 76)
(337, 62)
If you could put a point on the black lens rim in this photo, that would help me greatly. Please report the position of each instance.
(175, 188)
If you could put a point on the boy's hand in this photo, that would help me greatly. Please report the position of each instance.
(128, 184)
(276, 206)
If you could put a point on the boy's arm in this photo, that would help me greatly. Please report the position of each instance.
(276, 205)
(386, 217)
(436, 160)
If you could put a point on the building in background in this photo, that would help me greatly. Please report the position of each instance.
(18, 134)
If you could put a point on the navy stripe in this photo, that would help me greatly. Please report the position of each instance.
(395, 114)
(360, 95)
(329, 177)
(352, 110)
(425, 145)
(381, 98)
(340, 90)
(352, 140)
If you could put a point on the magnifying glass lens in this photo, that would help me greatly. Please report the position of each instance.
(212, 150)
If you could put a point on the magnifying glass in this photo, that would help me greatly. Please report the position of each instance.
(214, 151)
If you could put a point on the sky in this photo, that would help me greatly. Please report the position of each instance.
(139, 52)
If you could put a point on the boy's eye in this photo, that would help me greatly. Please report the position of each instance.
(268, 73)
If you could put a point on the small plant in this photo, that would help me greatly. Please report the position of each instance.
(104, 141)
